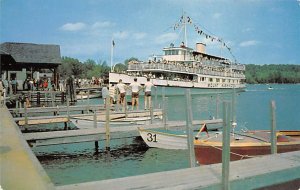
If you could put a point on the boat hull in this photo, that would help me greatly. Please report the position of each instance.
(249, 146)
(212, 155)
(157, 139)
(115, 77)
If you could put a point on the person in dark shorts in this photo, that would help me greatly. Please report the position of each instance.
(147, 87)
(135, 88)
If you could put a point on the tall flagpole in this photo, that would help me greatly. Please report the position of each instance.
(112, 54)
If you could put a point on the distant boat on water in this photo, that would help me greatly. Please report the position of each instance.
(182, 66)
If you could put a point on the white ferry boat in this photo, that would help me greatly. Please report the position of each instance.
(182, 66)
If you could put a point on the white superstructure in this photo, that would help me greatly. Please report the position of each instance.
(182, 66)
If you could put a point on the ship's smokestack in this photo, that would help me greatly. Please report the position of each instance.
(200, 47)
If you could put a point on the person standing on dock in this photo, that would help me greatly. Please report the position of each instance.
(71, 89)
(105, 93)
(112, 94)
(135, 88)
(122, 93)
(147, 87)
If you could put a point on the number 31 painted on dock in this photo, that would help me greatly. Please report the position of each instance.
(151, 137)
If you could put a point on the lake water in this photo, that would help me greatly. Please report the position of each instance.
(76, 163)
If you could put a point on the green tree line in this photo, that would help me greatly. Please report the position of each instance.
(274, 73)
(89, 68)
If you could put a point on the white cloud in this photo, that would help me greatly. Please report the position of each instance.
(217, 15)
(73, 26)
(249, 29)
(249, 43)
(104, 24)
(121, 35)
(167, 37)
(139, 35)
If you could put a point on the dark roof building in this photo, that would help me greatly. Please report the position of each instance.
(16, 56)
(30, 58)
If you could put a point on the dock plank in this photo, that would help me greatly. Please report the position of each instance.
(247, 174)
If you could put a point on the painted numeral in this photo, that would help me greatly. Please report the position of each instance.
(151, 137)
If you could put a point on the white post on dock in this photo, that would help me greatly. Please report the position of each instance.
(189, 130)
(273, 129)
(226, 145)
(107, 120)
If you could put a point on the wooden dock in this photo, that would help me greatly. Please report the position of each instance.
(100, 116)
(98, 134)
(19, 167)
(281, 171)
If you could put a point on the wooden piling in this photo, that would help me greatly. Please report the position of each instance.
(62, 97)
(233, 106)
(107, 131)
(156, 105)
(189, 130)
(95, 119)
(88, 102)
(226, 145)
(151, 112)
(217, 106)
(52, 99)
(38, 98)
(26, 114)
(68, 112)
(165, 111)
(273, 129)
(125, 107)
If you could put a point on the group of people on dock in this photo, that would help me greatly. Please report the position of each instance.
(119, 91)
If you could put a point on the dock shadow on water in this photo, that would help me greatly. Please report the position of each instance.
(76, 163)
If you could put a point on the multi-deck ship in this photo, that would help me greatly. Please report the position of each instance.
(182, 66)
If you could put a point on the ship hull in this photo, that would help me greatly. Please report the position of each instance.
(115, 77)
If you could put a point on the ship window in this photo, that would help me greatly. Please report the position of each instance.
(210, 79)
(218, 80)
(223, 80)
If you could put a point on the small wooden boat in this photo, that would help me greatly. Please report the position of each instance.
(83, 95)
(168, 139)
(84, 123)
(245, 145)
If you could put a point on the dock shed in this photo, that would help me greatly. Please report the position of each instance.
(23, 60)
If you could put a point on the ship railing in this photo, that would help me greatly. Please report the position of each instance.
(190, 70)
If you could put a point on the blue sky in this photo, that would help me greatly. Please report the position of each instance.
(258, 32)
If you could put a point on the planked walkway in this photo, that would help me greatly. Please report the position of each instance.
(19, 167)
(97, 134)
(245, 174)
(100, 117)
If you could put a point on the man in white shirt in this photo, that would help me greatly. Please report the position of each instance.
(147, 87)
(112, 93)
(122, 93)
(135, 88)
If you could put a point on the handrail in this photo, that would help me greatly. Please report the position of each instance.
(170, 67)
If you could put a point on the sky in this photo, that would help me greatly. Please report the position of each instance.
(257, 31)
